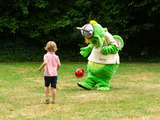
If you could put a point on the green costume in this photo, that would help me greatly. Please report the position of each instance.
(104, 59)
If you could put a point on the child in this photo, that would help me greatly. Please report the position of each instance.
(51, 64)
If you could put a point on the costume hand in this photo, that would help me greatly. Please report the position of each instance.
(105, 51)
(84, 52)
(109, 49)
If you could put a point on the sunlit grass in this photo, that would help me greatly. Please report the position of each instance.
(134, 94)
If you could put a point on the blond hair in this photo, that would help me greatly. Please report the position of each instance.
(51, 47)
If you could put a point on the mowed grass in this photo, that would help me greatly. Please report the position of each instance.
(134, 94)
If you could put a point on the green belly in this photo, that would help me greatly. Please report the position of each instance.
(102, 71)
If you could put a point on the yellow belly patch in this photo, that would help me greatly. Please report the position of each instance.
(95, 65)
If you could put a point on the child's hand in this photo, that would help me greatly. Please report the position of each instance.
(40, 69)
(42, 66)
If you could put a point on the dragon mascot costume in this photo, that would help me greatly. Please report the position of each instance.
(103, 60)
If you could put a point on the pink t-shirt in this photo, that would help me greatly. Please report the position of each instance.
(52, 62)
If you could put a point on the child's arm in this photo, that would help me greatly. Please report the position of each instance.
(58, 66)
(42, 66)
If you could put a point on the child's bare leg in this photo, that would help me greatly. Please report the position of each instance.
(47, 92)
(54, 94)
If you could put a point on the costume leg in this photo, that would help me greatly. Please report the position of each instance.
(105, 74)
(89, 83)
(103, 85)
(100, 76)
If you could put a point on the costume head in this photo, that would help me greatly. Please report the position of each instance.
(93, 32)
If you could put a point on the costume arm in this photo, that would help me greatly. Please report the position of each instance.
(109, 49)
(86, 50)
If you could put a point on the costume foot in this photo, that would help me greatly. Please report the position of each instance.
(103, 88)
(84, 85)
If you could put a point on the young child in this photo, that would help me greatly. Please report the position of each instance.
(51, 64)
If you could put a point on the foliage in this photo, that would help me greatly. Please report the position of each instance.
(29, 24)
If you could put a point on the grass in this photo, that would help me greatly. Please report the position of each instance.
(134, 94)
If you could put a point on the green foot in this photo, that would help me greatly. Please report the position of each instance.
(84, 85)
(103, 88)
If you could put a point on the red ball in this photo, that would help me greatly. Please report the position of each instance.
(79, 72)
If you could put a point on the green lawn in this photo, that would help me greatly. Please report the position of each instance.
(134, 94)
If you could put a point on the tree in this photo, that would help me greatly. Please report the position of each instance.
(26, 26)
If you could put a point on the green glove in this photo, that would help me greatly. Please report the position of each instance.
(109, 49)
(86, 50)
